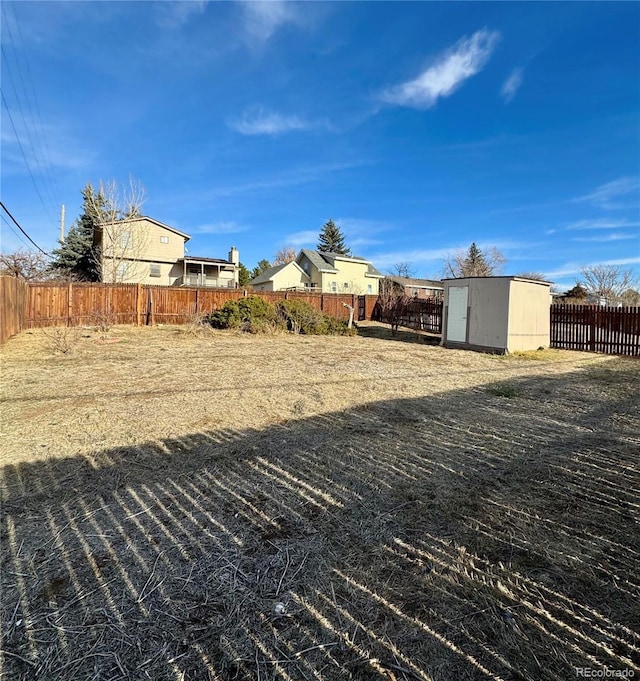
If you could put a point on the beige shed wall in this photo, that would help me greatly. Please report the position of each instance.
(504, 314)
(529, 318)
(488, 312)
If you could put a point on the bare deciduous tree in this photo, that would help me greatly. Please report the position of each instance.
(474, 262)
(27, 265)
(608, 282)
(403, 269)
(121, 243)
(284, 255)
(391, 306)
(535, 276)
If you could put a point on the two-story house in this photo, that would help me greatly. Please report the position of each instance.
(145, 251)
(323, 272)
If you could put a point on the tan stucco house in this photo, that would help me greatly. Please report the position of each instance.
(142, 250)
(287, 277)
(336, 273)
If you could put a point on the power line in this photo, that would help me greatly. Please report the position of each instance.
(14, 230)
(15, 222)
(13, 125)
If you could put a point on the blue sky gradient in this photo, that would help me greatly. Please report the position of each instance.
(417, 127)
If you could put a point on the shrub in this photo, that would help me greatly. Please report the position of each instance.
(235, 313)
(301, 317)
(255, 315)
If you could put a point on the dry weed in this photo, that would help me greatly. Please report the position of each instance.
(61, 339)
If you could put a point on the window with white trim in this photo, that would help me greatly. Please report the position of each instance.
(154, 270)
(164, 239)
(369, 288)
(334, 287)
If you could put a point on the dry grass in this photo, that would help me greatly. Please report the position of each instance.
(419, 513)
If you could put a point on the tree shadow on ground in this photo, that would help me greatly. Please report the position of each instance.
(489, 533)
(402, 334)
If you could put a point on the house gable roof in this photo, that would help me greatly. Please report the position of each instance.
(318, 260)
(186, 237)
(326, 262)
(268, 275)
(417, 283)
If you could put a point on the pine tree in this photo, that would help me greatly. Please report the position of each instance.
(244, 276)
(262, 266)
(475, 264)
(331, 239)
(76, 257)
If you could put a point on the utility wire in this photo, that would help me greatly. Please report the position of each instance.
(14, 230)
(15, 222)
(24, 156)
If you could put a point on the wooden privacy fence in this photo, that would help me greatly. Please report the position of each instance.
(611, 330)
(74, 304)
(414, 313)
(13, 297)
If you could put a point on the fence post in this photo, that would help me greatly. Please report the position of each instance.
(197, 310)
(592, 329)
(138, 304)
(69, 303)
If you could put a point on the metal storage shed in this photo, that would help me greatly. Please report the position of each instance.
(496, 314)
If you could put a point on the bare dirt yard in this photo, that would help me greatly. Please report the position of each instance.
(186, 506)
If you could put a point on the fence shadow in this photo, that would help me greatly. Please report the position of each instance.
(383, 332)
(482, 533)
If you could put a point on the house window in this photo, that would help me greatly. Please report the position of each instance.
(334, 287)
(164, 239)
(125, 239)
(369, 288)
(121, 271)
(154, 270)
(345, 286)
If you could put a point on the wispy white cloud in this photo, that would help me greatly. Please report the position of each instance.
(308, 237)
(608, 195)
(178, 13)
(414, 256)
(38, 146)
(293, 177)
(463, 60)
(223, 227)
(604, 238)
(269, 123)
(511, 85)
(573, 268)
(262, 19)
(602, 223)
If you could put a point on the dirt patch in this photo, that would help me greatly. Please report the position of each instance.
(315, 508)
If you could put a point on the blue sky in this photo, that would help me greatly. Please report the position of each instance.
(417, 127)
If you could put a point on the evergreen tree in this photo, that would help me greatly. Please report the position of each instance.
(475, 264)
(76, 257)
(244, 276)
(261, 267)
(331, 239)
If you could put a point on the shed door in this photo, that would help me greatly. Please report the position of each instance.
(457, 314)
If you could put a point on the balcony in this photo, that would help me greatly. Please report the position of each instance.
(206, 281)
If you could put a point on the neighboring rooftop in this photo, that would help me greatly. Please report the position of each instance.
(416, 283)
